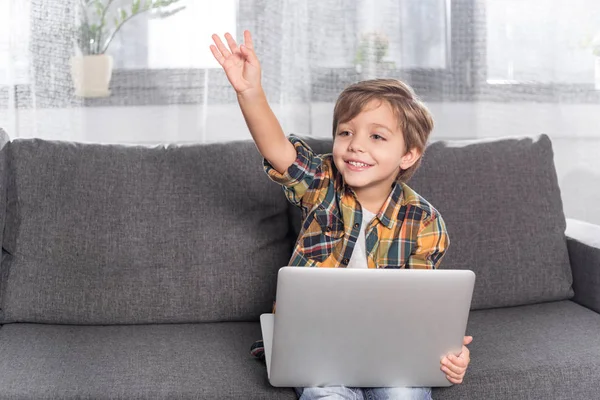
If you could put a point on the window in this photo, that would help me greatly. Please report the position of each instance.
(541, 41)
(182, 40)
(179, 41)
(416, 31)
(399, 34)
(14, 41)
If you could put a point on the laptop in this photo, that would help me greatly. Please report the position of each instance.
(365, 327)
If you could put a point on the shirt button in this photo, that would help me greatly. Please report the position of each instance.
(345, 261)
(356, 225)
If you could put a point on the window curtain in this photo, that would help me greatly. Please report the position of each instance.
(485, 68)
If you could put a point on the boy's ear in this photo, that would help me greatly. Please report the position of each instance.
(409, 158)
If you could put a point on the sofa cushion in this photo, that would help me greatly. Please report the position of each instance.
(166, 361)
(115, 234)
(542, 351)
(536, 352)
(503, 210)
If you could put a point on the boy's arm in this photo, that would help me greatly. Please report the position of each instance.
(243, 72)
(432, 242)
(266, 131)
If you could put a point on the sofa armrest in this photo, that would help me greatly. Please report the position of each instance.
(583, 242)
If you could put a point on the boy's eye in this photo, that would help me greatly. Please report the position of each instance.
(377, 137)
(343, 133)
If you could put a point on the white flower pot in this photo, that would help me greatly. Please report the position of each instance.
(597, 74)
(91, 75)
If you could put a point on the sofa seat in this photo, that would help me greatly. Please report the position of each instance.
(178, 361)
(550, 349)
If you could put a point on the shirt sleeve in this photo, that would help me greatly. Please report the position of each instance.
(432, 243)
(301, 177)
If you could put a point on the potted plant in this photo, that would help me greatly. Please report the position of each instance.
(370, 53)
(91, 67)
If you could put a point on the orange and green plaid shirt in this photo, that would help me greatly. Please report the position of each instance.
(407, 232)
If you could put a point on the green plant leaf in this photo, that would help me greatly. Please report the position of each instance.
(122, 16)
(166, 3)
(99, 8)
(168, 13)
(135, 7)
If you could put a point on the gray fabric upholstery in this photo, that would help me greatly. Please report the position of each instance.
(165, 361)
(583, 240)
(4, 140)
(542, 351)
(501, 203)
(100, 236)
(107, 234)
(537, 352)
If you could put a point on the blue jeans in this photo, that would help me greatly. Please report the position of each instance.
(342, 392)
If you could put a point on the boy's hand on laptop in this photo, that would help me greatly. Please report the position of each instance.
(455, 367)
(239, 62)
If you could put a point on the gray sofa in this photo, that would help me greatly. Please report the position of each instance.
(133, 272)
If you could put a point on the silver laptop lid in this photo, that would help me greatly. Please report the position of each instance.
(367, 328)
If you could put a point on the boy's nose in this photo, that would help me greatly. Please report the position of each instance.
(356, 145)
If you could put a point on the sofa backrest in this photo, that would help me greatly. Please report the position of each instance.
(113, 234)
(109, 234)
(4, 140)
(503, 210)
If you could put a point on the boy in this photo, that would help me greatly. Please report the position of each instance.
(357, 211)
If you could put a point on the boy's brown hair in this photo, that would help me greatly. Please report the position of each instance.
(414, 118)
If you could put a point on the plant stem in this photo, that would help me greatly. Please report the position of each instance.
(86, 24)
(104, 12)
(111, 37)
(99, 34)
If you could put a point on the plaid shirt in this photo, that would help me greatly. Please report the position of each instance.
(407, 232)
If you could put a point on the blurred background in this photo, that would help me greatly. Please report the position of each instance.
(485, 68)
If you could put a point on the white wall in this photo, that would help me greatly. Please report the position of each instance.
(574, 129)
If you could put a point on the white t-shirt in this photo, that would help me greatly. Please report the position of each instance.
(358, 259)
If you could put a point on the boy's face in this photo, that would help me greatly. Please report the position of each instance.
(369, 151)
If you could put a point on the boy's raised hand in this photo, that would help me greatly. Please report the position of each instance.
(239, 62)
(455, 367)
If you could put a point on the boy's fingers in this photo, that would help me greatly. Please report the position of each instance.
(465, 354)
(465, 357)
(452, 374)
(248, 40)
(458, 361)
(249, 54)
(454, 380)
(218, 56)
(226, 53)
(467, 340)
(231, 42)
(457, 369)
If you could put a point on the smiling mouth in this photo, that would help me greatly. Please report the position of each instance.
(357, 166)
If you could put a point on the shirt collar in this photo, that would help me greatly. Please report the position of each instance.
(388, 211)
